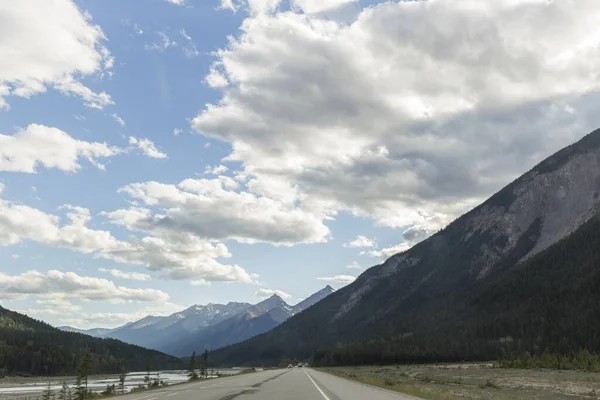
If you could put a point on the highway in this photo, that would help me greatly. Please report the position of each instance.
(283, 384)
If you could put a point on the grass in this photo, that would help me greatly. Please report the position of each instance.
(475, 381)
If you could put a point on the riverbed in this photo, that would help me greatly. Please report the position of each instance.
(20, 388)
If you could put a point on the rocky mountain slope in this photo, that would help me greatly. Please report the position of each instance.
(257, 319)
(153, 332)
(96, 332)
(433, 301)
(210, 326)
(28, 346)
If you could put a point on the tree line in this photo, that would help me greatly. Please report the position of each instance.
(33, 348)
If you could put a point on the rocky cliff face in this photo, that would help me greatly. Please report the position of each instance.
(534, 212)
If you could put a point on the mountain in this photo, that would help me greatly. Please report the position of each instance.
(252, 321)
(153, 331)
(517, 273)
(313, 299)
(96, 332)
(210, 326)
(32, 347)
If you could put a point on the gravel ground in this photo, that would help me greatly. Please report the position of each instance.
(477, 381)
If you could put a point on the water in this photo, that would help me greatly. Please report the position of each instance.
(10, 388)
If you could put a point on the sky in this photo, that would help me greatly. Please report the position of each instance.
(162, 153)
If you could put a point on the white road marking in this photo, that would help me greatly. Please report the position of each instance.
(152, 398)
(317, 386)
(171, 394)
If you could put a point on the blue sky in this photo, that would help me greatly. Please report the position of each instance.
(164, 153)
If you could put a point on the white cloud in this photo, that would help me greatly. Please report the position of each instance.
(189, 49)
(200, 282)
(269, 6)
(387, 252)
(228, 5)
(212, 209)
(180, 255)
(50, 45)
(185, 35)
(118, 120)
(50, 147)
(15, 256)
(339, 279)
(264, 293)
(315, 6)
(177, 131)
(217, 170)
(348, 123)
(69, 86)
(135, 276)
(216, 79)
(361, 241)
(147, 147)
(354, 265)
(164, 43)
(72, 286)
(176, 2)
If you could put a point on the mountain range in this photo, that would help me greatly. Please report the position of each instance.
(208, 326)
(519, 273)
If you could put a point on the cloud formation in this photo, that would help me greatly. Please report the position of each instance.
(72, 286)
(147, 147)
(339, 279)
(361, 241)
(212, 209)
(178, 255)
(264, 293)
(135, 276)
(411, 113)
(40, 145)
(51, 45)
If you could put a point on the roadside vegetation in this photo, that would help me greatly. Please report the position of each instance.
(476, 381)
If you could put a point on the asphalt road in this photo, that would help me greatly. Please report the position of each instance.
(284, 384)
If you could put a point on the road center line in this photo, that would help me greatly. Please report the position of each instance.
(317, 386)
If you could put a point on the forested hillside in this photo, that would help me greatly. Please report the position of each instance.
(31, 347)
(518, 273)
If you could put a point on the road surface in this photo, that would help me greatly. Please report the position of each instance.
(283, 384)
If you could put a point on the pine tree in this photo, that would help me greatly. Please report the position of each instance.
(48, 394)
(86, 367)
(80, 390)
(63, 394)
(147, 379)
(122, 377)
(192, 374)
(204, 371)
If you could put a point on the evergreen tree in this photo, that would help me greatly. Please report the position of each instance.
(204, 370)
(192, 374)
(80, 391)
(147, 379)
(48, 393)
(86, 367)
(64, 390)
(122, 377)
